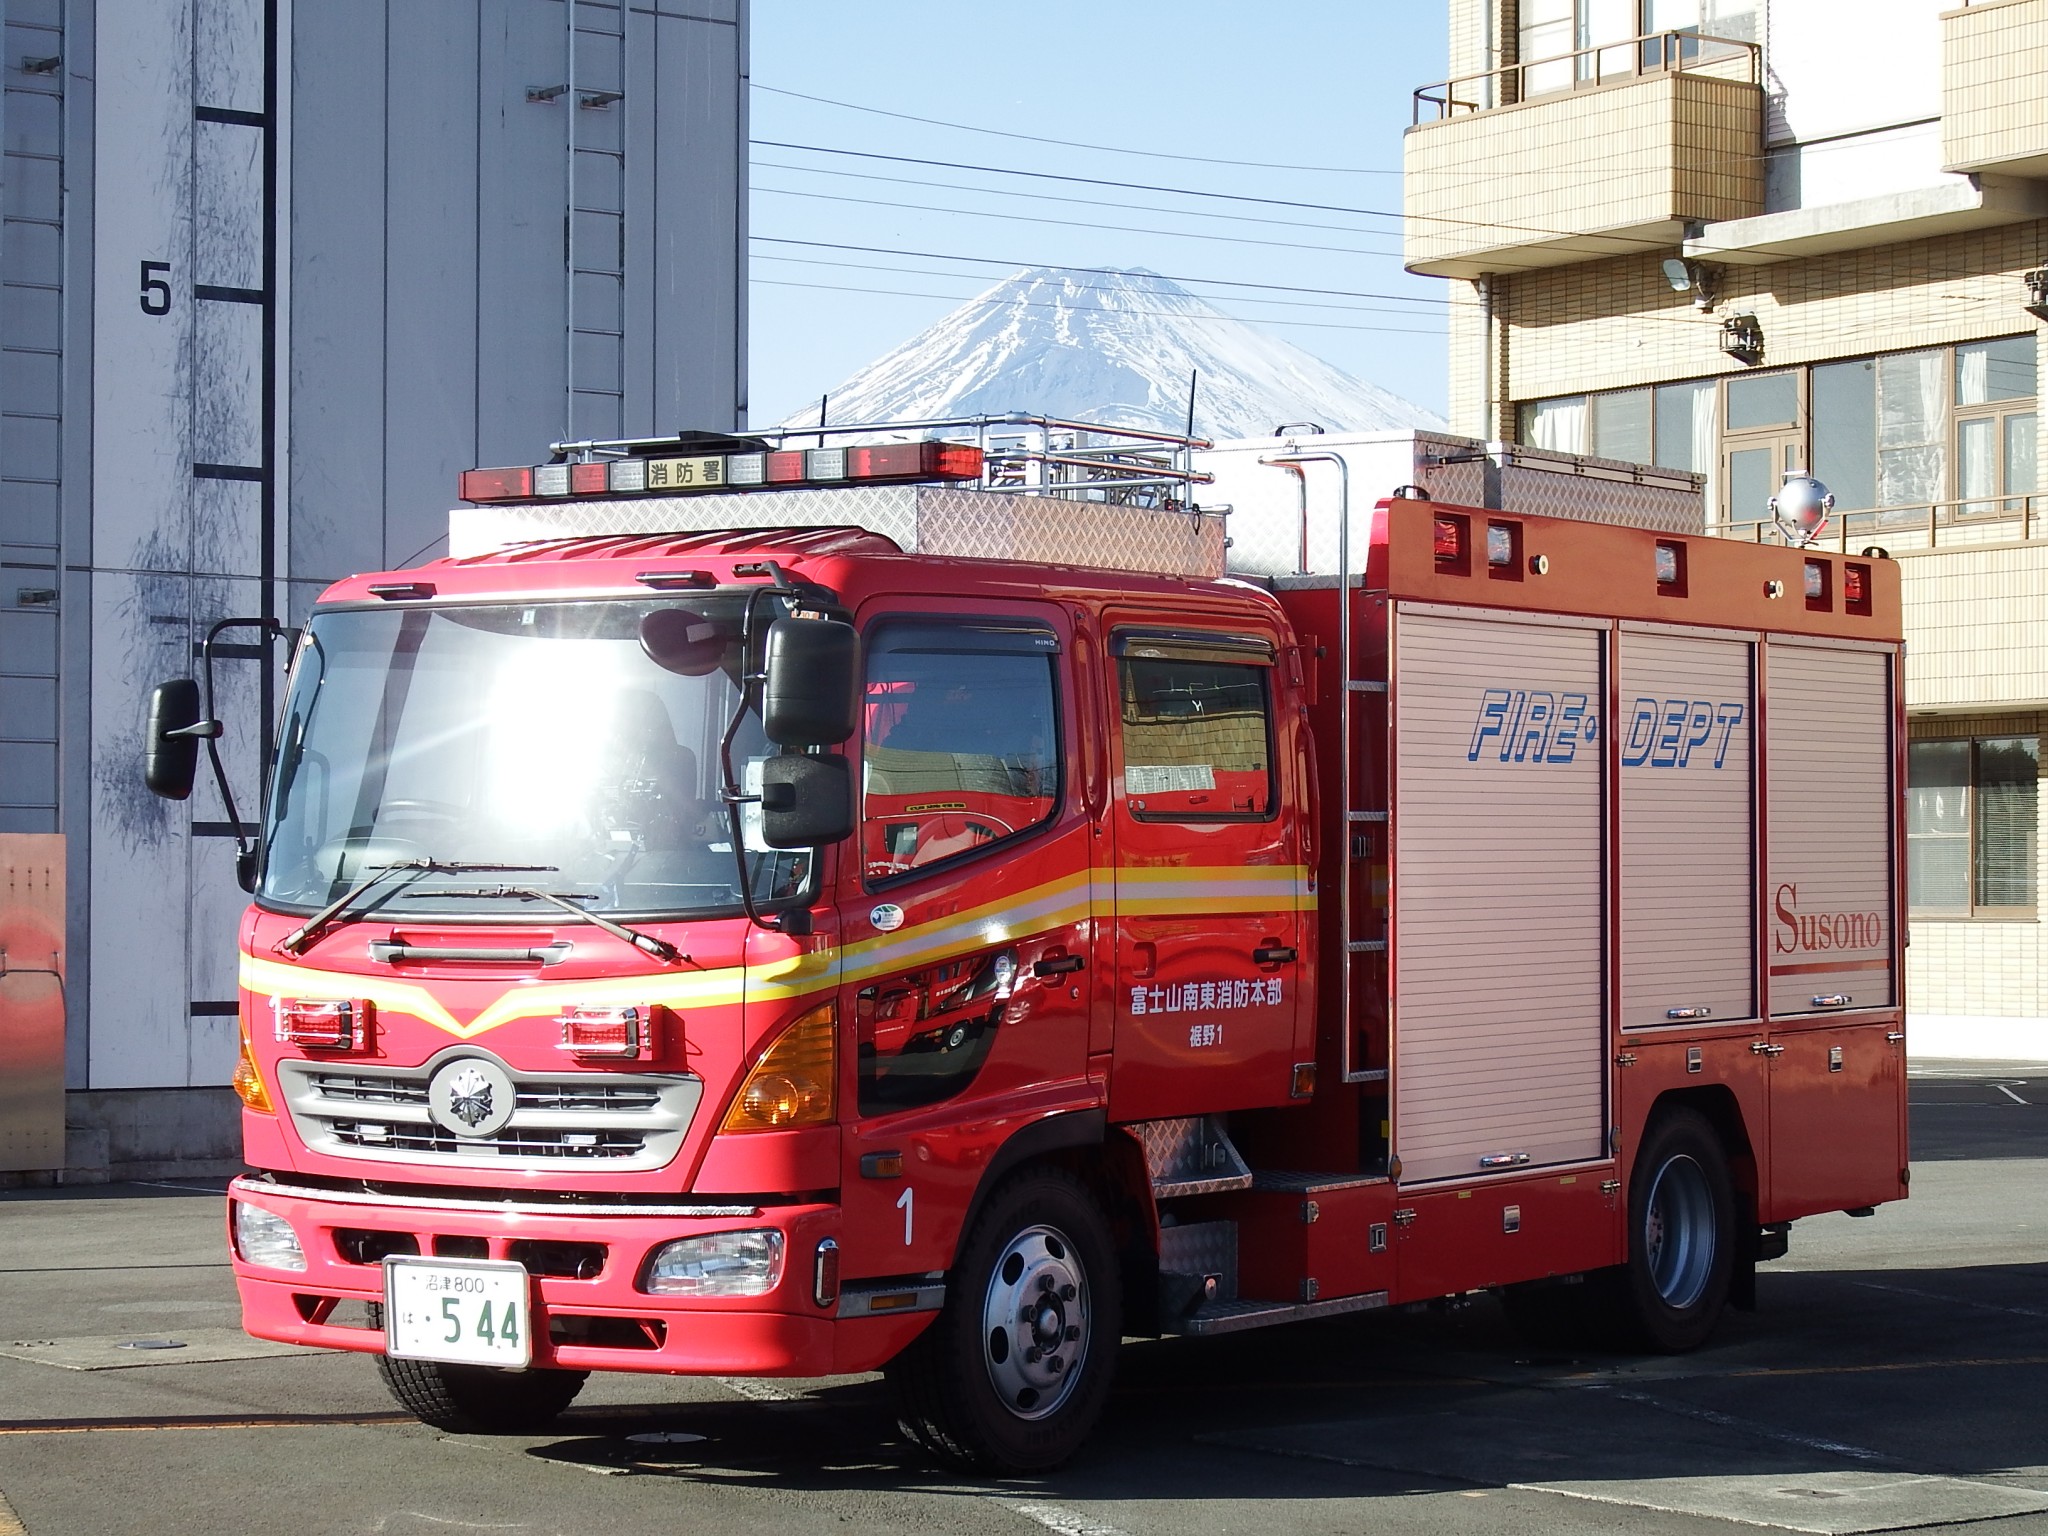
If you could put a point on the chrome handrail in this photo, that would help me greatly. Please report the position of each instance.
(1675, 52)
(1864, 526)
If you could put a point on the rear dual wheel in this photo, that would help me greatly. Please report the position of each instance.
(1681, 1226)
(1015, 1371)
(1670, 1293)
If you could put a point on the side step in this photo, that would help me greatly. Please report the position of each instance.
(1238, 1316)
(1191, 1155)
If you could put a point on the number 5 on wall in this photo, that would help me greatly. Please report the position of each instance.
(156, 292)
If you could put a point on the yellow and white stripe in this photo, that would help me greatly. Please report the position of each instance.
(1056, 904)
(1155, 892)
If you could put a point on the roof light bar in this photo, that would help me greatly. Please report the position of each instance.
(655, 475)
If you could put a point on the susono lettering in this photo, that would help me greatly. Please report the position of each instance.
(1797, 932)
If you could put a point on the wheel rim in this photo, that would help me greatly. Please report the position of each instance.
(1035, 1322)
(1679, 1232)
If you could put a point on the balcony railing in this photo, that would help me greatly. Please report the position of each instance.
(1653, 53)
(1903, 530)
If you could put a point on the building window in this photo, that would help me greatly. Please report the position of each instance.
(1948, 427)
(1994, 441)
(1670, 425)
(1972, 828)
(1567, 43)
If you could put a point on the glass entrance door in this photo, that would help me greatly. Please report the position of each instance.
(1753, 469)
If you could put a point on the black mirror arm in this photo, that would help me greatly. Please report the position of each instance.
(209, 728)
(751, 676)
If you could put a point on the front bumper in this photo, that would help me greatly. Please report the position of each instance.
(588, 1313)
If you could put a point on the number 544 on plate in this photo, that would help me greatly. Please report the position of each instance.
(468, 1311)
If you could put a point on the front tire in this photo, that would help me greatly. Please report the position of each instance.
(1016, 1370)
(477, 1400)
(1681, 1228)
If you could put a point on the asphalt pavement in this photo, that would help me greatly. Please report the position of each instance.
(1893, 1378)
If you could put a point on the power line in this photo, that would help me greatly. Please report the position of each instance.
(1039, 218)
(1100, 309)
(974, 277)
(1090, 181)
(1111, 149)
(1622, 245)
(1054, 197)
(1014, 265)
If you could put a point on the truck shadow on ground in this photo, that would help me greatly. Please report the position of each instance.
(1863, 1376)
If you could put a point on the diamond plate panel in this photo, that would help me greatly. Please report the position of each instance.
(1189, 1253)
(934, 520)
(1190, 1155)
(890, 510)
(1056, 531)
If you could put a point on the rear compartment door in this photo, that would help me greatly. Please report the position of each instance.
(1830, 928)
(1499, 910)
(1684, 732)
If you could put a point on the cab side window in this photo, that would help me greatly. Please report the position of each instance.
(1197, 727)
(962, 741)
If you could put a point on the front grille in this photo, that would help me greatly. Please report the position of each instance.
(431, 1139)
(617, 1121)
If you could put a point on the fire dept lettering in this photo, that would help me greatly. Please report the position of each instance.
(1797, 932)
(1664, 733)
(1205, 997)
(1524, 725)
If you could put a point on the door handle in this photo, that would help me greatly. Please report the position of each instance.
(1058, 965)
(1273, 954)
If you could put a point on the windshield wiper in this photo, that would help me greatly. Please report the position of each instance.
(647, 943)
(296, 941)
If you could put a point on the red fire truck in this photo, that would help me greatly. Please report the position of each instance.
(785, 911)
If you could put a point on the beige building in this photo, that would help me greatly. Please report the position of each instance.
(1745, 237)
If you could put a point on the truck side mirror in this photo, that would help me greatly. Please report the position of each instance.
(810, 695)
(170, 756)
(806, 802)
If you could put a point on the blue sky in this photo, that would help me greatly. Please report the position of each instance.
(1318, 93)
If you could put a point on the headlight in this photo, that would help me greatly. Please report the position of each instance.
(720, 1264)
(266, 1238)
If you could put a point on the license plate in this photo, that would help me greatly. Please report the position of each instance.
(468, 1311)
(685, 474)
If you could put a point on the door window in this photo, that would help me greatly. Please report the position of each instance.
(1197, 728)
(962, 742)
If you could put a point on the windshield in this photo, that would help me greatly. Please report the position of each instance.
(534, 735)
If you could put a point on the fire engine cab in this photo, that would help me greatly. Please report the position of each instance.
(943, 901)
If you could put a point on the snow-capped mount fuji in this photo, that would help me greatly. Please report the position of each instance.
(1115, 348)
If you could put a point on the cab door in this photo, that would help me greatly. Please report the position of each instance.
(967, 932)
(1209, 879)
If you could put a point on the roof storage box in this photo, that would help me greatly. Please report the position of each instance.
(1266, 508)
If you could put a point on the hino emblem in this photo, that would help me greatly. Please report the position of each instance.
(471, 1096)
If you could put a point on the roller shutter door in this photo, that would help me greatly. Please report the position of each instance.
(1688, 870)
(1498, 912)
(1828, 918)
